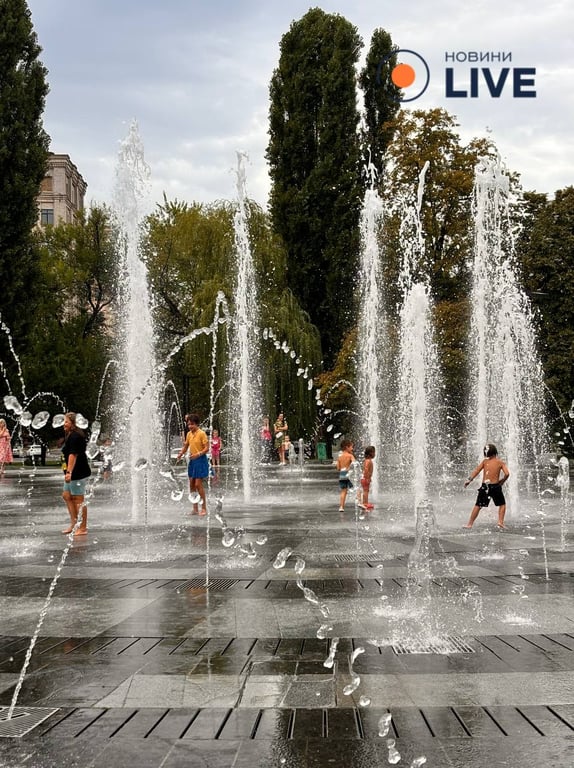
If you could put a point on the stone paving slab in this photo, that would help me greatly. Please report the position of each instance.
(145, 663)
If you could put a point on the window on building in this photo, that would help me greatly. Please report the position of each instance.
(46, 216)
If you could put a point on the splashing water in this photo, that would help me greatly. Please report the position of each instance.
(384, 724)
(139, 368)
(507, 396)
(371, 357)
(245, 395)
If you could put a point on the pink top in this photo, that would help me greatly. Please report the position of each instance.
(215, 445)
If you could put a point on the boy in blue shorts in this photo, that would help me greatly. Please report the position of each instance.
(197, 444)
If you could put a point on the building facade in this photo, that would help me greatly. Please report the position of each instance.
(62, 192)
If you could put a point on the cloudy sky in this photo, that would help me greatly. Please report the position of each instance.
(195, 76)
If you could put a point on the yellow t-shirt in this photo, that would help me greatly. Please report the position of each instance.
(196, 441)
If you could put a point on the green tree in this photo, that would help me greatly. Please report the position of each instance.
(314, 161)
(381, 97)
(23, 158)
(72, 336)
(447, 225)
(546, 253)
(190, 255)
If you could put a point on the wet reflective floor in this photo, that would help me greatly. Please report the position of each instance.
(173, 640)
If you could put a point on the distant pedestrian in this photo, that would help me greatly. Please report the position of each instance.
(280, 434)
(344, 462)
(216, 446)
(367, 474)
(491, 467)
(6, 456)
(266, 442)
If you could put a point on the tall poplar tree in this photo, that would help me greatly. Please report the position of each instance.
(381, 97)
(23, 158)
(314, 160)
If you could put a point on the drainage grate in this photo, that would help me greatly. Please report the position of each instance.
(23, 720)
(360, 557)
(443, 644)
(214, 584)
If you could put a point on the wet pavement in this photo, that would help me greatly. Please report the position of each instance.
(172, 640)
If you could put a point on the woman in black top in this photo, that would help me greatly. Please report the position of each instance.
(76, 472)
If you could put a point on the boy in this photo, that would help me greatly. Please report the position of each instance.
(344, 462)
(491, 467)
(198, 467)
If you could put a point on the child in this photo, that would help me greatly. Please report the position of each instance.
(344, 462)
(366, 478)
(216, 446)
(491, 467)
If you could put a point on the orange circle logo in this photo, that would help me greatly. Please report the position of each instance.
(411, 73)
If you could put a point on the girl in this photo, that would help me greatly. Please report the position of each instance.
(216, 446)
(366, 478)
(5, 446)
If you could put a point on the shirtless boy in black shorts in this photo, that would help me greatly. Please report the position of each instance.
(491, 488)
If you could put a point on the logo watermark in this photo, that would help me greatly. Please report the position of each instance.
(411, 74)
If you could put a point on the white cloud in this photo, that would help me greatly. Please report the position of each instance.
(195, 75)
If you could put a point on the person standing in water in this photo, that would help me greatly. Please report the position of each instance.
(76, 472)
(198, 467)
(492, 468)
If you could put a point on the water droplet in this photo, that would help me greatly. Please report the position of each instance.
(92, 450)
(81, 421)
(418, 761)
(292, 354)
(322, 631)
(140, 464)
(261, 540)
(11, 404)
(385, 724)
(58, 420)
(364, 701)
(330, 427)
(327, 410)
(299, 565)
(25, 418)
(265, 333)
(228, 538)
(40, 419)
(194, 497)
(310, 384)
(119, 466)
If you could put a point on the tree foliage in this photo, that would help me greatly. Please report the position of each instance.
(314, 163)
(72, 337)
(190, 254)
(23, 158)
(381, 98)
(546, 252)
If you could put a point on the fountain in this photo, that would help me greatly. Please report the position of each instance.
(245, 390)
(372, 356)
(138, 387)
(507, 395)
(418, 371)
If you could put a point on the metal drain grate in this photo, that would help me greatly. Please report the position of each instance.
(23, 720)
(443, 644)
(214, 584)
(360, 557)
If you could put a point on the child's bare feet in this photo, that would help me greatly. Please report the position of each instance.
(81, 532)
(467, 526)
(68, 530)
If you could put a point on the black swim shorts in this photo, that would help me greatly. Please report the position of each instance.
(488, 491)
